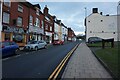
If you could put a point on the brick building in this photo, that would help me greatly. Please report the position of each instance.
(71, 35)
(22, 21)
(48, 26)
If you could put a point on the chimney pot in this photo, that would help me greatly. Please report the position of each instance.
(95, 10)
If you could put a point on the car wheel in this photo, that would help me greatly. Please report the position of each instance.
(36, 48)
(17, 51)
(45, 46)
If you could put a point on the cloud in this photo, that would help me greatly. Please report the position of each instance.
(72, 14)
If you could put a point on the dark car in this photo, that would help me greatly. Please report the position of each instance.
(8, 48)
(58, 42)
(94, 39)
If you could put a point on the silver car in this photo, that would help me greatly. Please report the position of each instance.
(35, 45)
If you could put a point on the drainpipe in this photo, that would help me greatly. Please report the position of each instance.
(1, 2)
(28, 25)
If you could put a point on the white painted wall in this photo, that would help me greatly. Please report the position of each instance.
(108, 25)
(56, 30)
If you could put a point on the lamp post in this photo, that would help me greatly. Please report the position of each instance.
(85, 23)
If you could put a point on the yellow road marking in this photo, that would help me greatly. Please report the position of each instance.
(60, 66)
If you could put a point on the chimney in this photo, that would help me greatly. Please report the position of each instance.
(101, 13)
(95, 10)
(46, 10)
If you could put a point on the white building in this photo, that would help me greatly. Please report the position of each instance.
(56, 31)
(103, 26)
(118, 20)
(64, 32)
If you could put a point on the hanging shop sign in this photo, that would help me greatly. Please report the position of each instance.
(37, 30)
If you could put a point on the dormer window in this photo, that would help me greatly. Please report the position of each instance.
(20, 8)
(37, 11)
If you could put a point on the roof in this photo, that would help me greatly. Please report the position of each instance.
(37, 5)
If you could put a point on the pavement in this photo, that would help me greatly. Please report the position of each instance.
(83, 64)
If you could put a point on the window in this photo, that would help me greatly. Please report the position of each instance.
(113, 32)
(37, 11)
(88, 21)
(42, 24)
(37, 22)
(31, 20)
(46, 27)
(7, 36)
(102, 31)
(7, 3)
(20, 8)
(50, 28)
(19, 21)
(90, 31)
(101, 20)
(6, 17)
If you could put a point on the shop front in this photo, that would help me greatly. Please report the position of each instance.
(35, 33)
(48, 37)
(15, 34)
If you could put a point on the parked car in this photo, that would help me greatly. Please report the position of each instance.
(58, 42)
(35, 45)
(94, 39)
(8, 48)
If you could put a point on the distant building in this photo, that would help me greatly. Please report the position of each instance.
(64, 32)
(99, 25)
(71, 35)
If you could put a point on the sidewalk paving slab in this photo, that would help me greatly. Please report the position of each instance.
(83, 64)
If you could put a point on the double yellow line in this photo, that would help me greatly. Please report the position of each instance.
(55, 73)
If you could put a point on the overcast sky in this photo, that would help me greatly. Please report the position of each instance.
(72, 14)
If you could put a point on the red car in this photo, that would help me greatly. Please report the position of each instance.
(58, 42)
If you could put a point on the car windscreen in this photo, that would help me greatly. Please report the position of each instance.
(32, 42)
(5, 43)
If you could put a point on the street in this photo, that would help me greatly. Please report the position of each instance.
(35, 64)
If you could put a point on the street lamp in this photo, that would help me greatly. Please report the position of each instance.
(85, 23)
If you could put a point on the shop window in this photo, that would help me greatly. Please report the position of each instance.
(6, 17)
(20, 8)
(7, 36)
(19, 21)
(18, 38)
